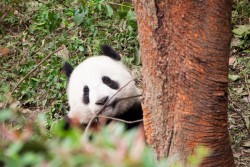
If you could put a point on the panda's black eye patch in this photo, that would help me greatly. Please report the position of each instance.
(109, 82)
(86, 94)
(106, 80)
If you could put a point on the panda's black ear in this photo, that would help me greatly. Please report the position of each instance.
(67, 69)
(110, 52)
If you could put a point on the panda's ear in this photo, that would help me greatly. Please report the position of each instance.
(110, 52)
(68, 69)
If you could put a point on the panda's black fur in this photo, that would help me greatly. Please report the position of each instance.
(110, 52)
(134, 112)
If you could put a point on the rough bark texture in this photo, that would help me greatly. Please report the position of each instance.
(185, 50)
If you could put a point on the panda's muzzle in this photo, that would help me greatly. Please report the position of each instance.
(102, 101)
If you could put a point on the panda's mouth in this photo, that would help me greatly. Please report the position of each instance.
(115, 103)
(108, 107)
(112, 104)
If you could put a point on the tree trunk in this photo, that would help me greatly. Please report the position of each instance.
(185, 50)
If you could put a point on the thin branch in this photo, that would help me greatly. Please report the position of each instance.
(86, 131)
(120, 120)
(242, 118)
(240, 83)
(113, 3)
(103, 107)
(125, 98)
(248, 90)
(31, 71)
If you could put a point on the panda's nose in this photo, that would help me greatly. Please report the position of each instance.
(102, 101)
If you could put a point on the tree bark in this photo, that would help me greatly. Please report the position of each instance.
(185, 51)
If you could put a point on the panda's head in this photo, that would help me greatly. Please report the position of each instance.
(94, 81)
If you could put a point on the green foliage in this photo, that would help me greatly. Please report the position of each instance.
(43, 26)
(45, 20)
(200, 153)
(239, 98)
(242, 34)
(30, 143)
(241, 27)
(240, 12)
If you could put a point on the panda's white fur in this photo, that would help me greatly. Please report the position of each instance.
(89, 73)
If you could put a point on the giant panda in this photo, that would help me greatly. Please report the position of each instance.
(94, 81)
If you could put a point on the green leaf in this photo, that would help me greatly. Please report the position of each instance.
(14, 148)
(233, 77)
(201, 152)
(71, 25)
(79, 16)
(5, 114)
(126, 6)
(99, 7)
(81, 48)
(109, 11)
(247, 51)
(147, 158)
(130, 15)
(241, 30)
(31, 158)
(34, 79)
(137, 56)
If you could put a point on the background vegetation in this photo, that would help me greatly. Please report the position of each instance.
(30, 30)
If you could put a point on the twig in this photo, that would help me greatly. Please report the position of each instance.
(103, 107)
(87, 128)
(244, 122)
(125, 98)
(240, 83)
(31, 71)
(113, 3)
(248, 90)
(120, 120)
